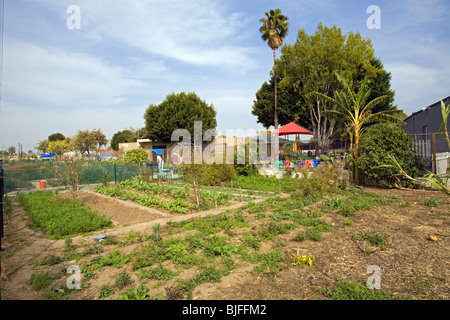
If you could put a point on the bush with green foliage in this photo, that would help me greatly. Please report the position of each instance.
(377, 143)
(136, 155)
(215, 173)
(178, 111)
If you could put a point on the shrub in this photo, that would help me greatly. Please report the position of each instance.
(136, 155)
(216, 173)
(377, 143)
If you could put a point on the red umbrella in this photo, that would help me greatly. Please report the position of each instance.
(291, 128)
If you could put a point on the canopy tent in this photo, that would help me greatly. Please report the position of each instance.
(47, 156)
(158, 151)
(291, 128)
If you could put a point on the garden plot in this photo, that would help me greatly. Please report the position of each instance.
(280, 248)
(178, 199)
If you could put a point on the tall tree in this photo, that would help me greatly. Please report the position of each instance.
(56, 137)
(178, 111)
(310, 65)
(99, 138)
(273, 30)
(356, 111)
(42, 146)
(290, 107)
(84, 141)
(59, 147)
(121, 137)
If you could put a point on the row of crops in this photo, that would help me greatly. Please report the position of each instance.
(174, 198)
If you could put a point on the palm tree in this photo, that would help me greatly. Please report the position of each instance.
(274, 29)
(355, 112)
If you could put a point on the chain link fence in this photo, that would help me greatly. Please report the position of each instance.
(30, 176)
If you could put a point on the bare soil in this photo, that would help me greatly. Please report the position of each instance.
(412, 265)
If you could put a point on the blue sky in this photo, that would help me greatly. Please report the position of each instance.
(130, 54)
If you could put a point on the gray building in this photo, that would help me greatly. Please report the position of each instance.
(423, 126)
(427, 120)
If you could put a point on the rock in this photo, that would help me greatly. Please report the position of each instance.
(434, 238)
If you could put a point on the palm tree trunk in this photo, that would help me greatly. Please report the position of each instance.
(275, 117)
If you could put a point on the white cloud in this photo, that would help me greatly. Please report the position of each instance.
(201, 32)
(58, 77)
(416, 86)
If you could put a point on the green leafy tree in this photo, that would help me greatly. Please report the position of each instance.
(11, 150)
(356, 111)
(310, 64)
(290, 104)
(384, 139)
(121, 137)
(42, 146)
(274, 30)
(59, 147)
(56, 137)
(178, 111)
(136, 155)
(380, 85)
(85, 141)
(99, 138)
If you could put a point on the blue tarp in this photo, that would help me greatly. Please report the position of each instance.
(47, 156)
(158, 151)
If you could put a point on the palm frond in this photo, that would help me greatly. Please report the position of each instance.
(372, 104)
(383, 116)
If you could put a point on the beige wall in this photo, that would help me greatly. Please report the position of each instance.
(229, 144)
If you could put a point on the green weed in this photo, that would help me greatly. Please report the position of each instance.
(158, 273)
(106, 291)
(432, 202)
(376, 239)
(40, 281)
(352, 290)
(269, 263)
(123, 280)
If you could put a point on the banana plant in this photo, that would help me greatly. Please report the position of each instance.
(445, 113)
(356, 112)
(430, 178)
